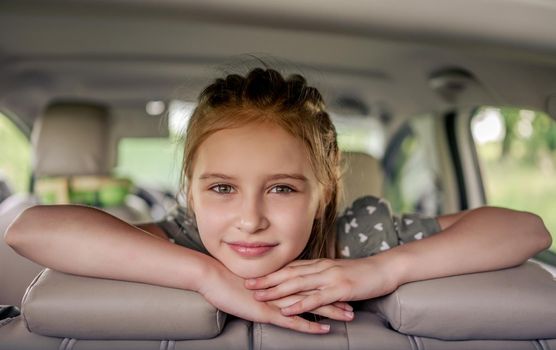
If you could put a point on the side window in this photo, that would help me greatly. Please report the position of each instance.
(360, 134)
(517, 152)
(15, 167)
(151, 162)
(411, 167)
(156, 162)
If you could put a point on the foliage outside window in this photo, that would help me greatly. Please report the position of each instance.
(151, 162)
(517, 150)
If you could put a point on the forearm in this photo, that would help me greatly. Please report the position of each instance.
(86, 241)
(480, 240)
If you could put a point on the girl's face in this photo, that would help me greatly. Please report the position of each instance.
(255, 197)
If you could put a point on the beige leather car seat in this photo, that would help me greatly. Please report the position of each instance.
(68, 141)
(363, 175)
(507, 309)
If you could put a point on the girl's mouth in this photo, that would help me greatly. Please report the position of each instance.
(256, 249)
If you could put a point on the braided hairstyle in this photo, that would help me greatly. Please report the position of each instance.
(265, 96)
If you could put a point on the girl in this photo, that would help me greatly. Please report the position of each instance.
(262, 181)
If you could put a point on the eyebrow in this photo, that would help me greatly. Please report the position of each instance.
(298, 177)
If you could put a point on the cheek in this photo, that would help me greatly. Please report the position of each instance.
(213, 217)
(294, 220)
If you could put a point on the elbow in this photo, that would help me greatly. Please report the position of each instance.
(542, 237)
(546, 236)
(17, 232)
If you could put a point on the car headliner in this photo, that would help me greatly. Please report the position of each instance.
(381, 53)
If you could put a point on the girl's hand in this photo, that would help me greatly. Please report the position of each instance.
(325, 281)
(337, 311)
(226, 291)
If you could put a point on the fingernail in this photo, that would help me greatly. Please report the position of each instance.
(251, 282)
(349, 307)
(348, 314)
(286, 311)
(325, 327)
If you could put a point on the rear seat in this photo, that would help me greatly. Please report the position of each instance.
(70, 148)
(507, 309)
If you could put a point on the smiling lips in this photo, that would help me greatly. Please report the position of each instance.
(251, 249)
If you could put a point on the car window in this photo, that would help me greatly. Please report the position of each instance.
(150, 162)
(360, 134)
(15, 167)
(517, 152)
(156, 162)
(411, 166)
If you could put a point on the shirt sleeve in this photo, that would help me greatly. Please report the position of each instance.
(181, 229)
(368, 227)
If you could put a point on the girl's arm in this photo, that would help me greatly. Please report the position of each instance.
(482, 239)
(478, 240)
(86, 241)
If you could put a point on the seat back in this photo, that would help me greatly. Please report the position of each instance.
(363, 175)
(16, 272)
(69, 145)
(505, 309)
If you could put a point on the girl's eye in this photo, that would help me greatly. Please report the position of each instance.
(221, 188)
(282, 189)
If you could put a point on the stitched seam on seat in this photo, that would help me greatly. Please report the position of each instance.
(63, 344)
(26, 295)
(71, 343)
(250, 336)
(543, 344)
(347, 335)
(412, 342)
(260, 336)
(419, 343)
(400, 312)
(218, 324)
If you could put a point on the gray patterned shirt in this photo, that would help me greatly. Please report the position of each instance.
(366, 228)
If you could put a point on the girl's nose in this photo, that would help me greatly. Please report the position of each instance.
(252, 218)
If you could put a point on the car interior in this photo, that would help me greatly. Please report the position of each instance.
(102, 91)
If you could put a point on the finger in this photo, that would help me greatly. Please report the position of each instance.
(334, 313)
(343, 305)
(321, 264)
(294, 298)
(302, 325)
(312, 302)
(289, 287)
(286, 301)
(280, 276)
(303, 262)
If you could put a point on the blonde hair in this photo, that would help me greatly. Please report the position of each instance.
(265, 96)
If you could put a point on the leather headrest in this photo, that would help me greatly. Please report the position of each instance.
(515, 303)
(63, 305)
(71, 139)
(363, 176)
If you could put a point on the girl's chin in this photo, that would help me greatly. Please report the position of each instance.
(252, 271)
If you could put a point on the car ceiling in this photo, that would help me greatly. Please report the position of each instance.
(381, 53)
